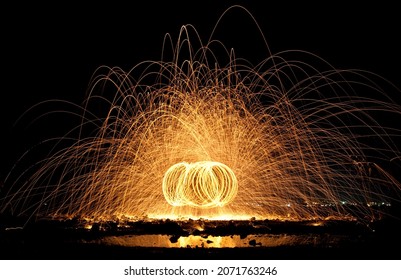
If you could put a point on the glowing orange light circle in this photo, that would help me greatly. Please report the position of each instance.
(203, 184)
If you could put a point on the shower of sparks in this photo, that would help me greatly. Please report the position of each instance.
(190, 138)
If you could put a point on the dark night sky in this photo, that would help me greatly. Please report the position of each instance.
(51, 51)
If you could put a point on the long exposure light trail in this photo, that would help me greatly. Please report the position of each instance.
(201, 184)
(207, 135)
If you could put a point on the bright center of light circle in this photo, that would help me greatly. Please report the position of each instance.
(202, 184)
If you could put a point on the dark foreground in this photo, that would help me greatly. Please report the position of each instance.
(73, 239)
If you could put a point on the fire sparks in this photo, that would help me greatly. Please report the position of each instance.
(291, 136)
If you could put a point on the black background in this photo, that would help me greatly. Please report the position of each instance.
(50, 51)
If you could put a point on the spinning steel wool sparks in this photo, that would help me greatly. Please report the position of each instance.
(191, 138)
(201, 184)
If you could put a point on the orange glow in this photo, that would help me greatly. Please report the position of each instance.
(196, 241)
(201, 184)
